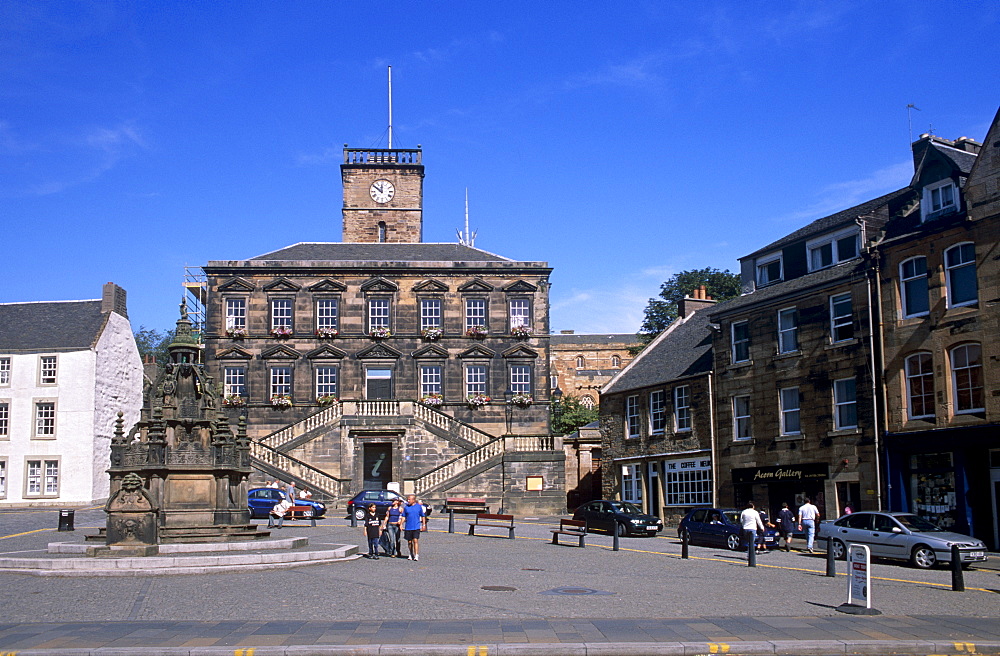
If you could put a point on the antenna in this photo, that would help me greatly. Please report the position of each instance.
(390, 107)
(909, 118)
(467, 238)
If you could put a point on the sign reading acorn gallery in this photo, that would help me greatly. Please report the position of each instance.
(790, 473)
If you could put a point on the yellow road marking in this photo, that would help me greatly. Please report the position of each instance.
(244, 652)
(17, 535)
(718, 648)
(471, 651)
(967, 647)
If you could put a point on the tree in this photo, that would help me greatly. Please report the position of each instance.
(570, 414)
(153, 342)
(661, 312)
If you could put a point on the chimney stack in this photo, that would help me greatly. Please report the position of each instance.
(698, 300)
(113, 299)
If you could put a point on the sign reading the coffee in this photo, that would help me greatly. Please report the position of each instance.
(809, 471)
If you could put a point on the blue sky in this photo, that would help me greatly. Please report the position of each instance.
(620, 142)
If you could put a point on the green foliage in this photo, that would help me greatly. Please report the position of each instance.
(153, 342)
(570, 414)
(661, 312)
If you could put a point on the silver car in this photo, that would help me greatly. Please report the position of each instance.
(899, 535)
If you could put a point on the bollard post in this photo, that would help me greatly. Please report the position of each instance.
(831, 563)
(614, 545)
(354, 520)
(66, 520)
(451, 520)
(751, 549)
(684, 544)
(957, 577)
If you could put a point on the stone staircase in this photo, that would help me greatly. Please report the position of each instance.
(281, 465)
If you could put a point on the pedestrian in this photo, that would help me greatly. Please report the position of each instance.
(278, 513)
(751, 521)
(275, 484)
(414, 520)
(290, 491)
(393, 517)
(373, 530)
(786, 524)
(305, 494)
(848, 510)
(808, 515)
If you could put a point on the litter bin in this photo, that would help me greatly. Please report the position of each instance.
(66, 520)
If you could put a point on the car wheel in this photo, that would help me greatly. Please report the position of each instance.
(839, 550)
(923, 557)
(733, 542)
(686, 536)
(622, 529)
(252, 516)
(359, 514)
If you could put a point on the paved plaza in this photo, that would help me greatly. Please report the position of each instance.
(489, 595)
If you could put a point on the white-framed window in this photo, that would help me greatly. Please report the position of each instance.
(378, 314)
(769, 270)
(841, 318)
(327, 313)
(430, 379)
(967, 378)
(919, 370)
(476, 379)
(45, 420)
(236, 314)
(4, 419)
(632, 484)
(657, 412)
(960, 271)
(430, 313)
(845, 404)
(41, 478)
(832, 249)
(48, 369)
(326, 381)
(281, 313)
(4, 371)
(741, 417)
(580, 362)
(3, 478)
(688, 482)
(682, 408)
(475, 312)
(788, 398)
(616, 362)
(587, 401)
(740, 340)
(939, 198)
(788, 330)
(280, 381)
(632, 416)
(913, 287)
(234, 381)
(520, 313)
(520, 378)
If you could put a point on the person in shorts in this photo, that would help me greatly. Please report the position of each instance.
(414, 521)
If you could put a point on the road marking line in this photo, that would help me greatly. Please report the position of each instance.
(968, 647)
(17, 535)
(244, 652)
(718, 648)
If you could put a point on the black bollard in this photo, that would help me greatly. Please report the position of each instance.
(751, 549)
(831, 563)
(614, 545)
(354, 520)
(684, 544)
(66, 520)
(957, 577)
(451, 520)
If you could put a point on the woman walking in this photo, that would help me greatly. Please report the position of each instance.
(786, 524)
(391, 523)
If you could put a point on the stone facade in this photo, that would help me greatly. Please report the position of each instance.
(582, 364)
(369, 215)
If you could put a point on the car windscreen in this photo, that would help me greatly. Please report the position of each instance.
(917, 524)
(626, 508)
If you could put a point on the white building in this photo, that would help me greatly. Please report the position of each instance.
(66, 369)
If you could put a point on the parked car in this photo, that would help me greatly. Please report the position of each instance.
(604, 515)
(260, 501)
(903, 536)
(381, 498)
(721, 527)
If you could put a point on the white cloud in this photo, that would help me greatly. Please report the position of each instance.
(600, 310)
(841, 195)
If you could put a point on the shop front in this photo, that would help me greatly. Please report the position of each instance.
(769, 487)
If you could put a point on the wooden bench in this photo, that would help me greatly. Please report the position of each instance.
(464, 506)
(573, 527)
(305, 512)
(493, 521)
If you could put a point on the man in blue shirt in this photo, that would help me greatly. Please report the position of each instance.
(414, 520)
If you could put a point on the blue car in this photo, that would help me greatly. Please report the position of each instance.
(720, 527)
(260, 501)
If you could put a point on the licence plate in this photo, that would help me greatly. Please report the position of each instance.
(650, 528)
(977, 554)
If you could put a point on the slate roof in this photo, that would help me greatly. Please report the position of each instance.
(960, 159)
(50, 326)
(684, 349)
(609, 338)
(379, 252)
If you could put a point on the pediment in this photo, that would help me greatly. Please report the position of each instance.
(379, 285)
(327, 285)
(477, 351)
(378, 350)
(476, 285)
(282, 285)
(430, 286)
(234, 353)
(280, 352)
(430, 351)
(520, 351)
(236, 285)
(325, 351)
(520, 286)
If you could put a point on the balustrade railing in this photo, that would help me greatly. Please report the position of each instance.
(450, 424)
(460, 464)
(281, 437)
(315, 479)
(382, 156)
(375, 408)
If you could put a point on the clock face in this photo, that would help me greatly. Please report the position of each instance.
(382, 191)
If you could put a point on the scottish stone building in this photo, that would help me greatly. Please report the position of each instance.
(582, 364)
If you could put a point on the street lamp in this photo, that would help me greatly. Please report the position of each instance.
(508, 397)
(557, 395)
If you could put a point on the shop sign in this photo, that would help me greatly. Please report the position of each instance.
(808, 471)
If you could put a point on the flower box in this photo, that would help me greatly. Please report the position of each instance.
(234, 401)
(237, 333)
(523, 400)
(477, 332)
(478, 400)
(281, 401)
(329, 399)
(281, 331)
(433, 400)
(521, 332)
(432, 334)
(327, 333)
(379, 333)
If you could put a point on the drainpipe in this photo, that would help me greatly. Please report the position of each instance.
(711, 434)
(876, 344)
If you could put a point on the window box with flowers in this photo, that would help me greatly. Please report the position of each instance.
(234, 401)
(237, 333)
(327, 333)
(380, 333)
(477, 332)
(328, 399)
(281, 401)
(281, 331)
(432, 334)
(522, 400)
(521, 332)
(478, 400)
(434, 400)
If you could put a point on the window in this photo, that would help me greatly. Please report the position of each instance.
(520, 313)
(378, 314)
(832, 249)
(913, 287)
(741, 341)
(475, 379)
(381, 232)
(3, 478)
(430, 379)
(788, 330)
(821, 256)
(841, 318)
(326, 381)
(769, 271)
(741, 417)
(789, 399)
(4, 420)
(920, 385)
(587, 401)
(632, 416)
(631, 484)
(45, 420)
(616, 362)
(682, 408)
(960, 270)
(688, 482)
(4, 371)
(845, 404)
(520, 379)
(281, 381)
(939, 198)
(236, 314)
(475, 312)
(967, 377)
(430, 313)
(41, 478)
(580, 362)
(47, 370)
(657, 412)
(234, 381)
(327, 314)
(281, 314)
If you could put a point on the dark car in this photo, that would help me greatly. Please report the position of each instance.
(720, 527)
(381, 498)
(260, 501)
(604, 515)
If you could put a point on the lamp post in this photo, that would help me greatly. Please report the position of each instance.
(508, 397)
(508, 407)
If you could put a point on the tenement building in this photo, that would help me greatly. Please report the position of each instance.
(383, 361)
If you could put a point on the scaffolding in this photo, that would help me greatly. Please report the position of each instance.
(196, 295)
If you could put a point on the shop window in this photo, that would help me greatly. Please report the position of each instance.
(688, 482)
(932, 488)
(632, 484)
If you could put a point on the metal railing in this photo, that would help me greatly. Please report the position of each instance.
(382, 156)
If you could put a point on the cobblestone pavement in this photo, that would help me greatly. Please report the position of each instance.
(491, 593)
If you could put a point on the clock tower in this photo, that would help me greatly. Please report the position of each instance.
(383, 195)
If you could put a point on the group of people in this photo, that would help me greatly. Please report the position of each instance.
(399, 521)
(276, 517)
(788, 523)
(290, 489)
